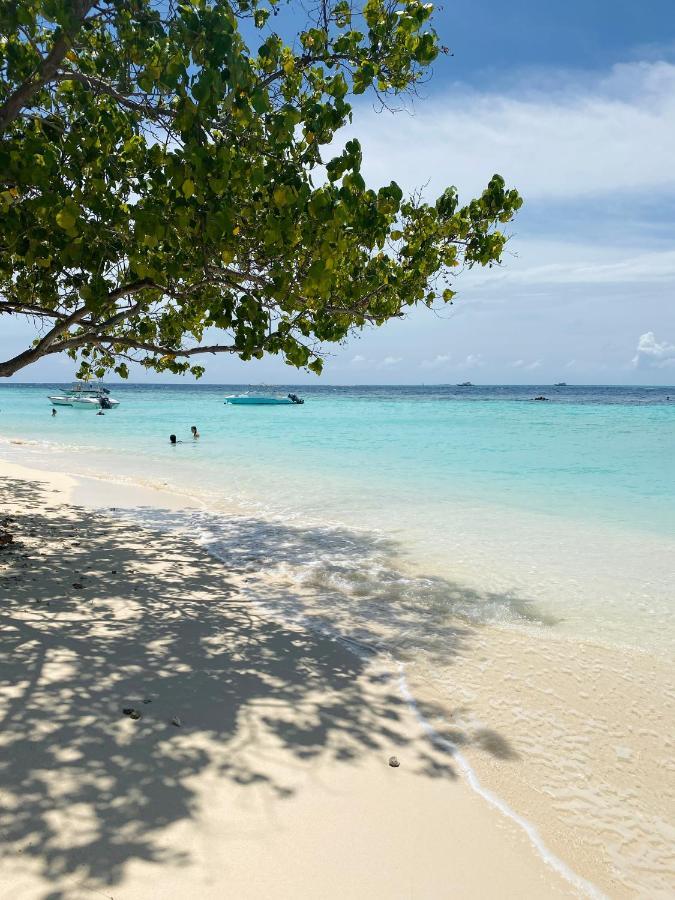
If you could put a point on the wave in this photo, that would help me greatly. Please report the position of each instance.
(345, 584)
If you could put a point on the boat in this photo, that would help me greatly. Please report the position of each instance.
(249, 399)
(560, 384)
(85, 396)
(465, 384)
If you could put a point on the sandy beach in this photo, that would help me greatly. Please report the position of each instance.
(337, 450)
(259, 766)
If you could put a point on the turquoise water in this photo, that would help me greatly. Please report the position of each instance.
(568, 505)
(611, 461)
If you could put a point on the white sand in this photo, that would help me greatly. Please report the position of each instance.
(276, 783)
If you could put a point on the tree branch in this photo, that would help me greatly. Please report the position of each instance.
(102, 87)
(307, 60)
(50, 343)
(42, 348)
(132, 344)
(23, 95)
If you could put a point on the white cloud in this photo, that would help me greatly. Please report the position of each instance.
(651, 353)
(528, 367)
(547, 262)
(435, 363)
(570, 137)
(472, 361)
(360, 361)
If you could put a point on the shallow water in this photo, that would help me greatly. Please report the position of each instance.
(505, 509)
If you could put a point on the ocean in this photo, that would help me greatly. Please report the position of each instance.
(560, 512)
(515, 557)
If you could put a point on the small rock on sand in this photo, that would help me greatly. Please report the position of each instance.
(393, 762)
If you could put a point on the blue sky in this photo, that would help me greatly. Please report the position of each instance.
(574, 104)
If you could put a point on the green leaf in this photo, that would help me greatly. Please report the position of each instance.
(260, 17)
(281, 253)
(66, 219)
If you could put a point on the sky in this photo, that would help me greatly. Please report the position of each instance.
(574, 104)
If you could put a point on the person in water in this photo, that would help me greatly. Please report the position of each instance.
(53, 411)
(193, 429)
(173, 440)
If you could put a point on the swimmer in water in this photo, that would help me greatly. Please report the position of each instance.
(195, 433)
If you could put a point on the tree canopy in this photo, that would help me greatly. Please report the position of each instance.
(162, 180)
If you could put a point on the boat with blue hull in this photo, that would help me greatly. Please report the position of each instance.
(250, 399)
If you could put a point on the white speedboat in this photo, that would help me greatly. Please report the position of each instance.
(263, 399)
(85, 396)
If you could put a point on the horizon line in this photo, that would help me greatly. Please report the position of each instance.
(193, 384)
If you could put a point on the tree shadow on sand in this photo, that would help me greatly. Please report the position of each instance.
(91, 625)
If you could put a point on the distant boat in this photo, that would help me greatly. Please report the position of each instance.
(263, 400)
(465, 384)
(560, 384)
(85, 396)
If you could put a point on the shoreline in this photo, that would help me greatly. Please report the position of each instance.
(499, 769)
(97, 802)
(470, 564)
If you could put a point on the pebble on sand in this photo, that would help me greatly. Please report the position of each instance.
(393, 762)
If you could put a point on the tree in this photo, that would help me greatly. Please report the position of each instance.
(161, 176)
